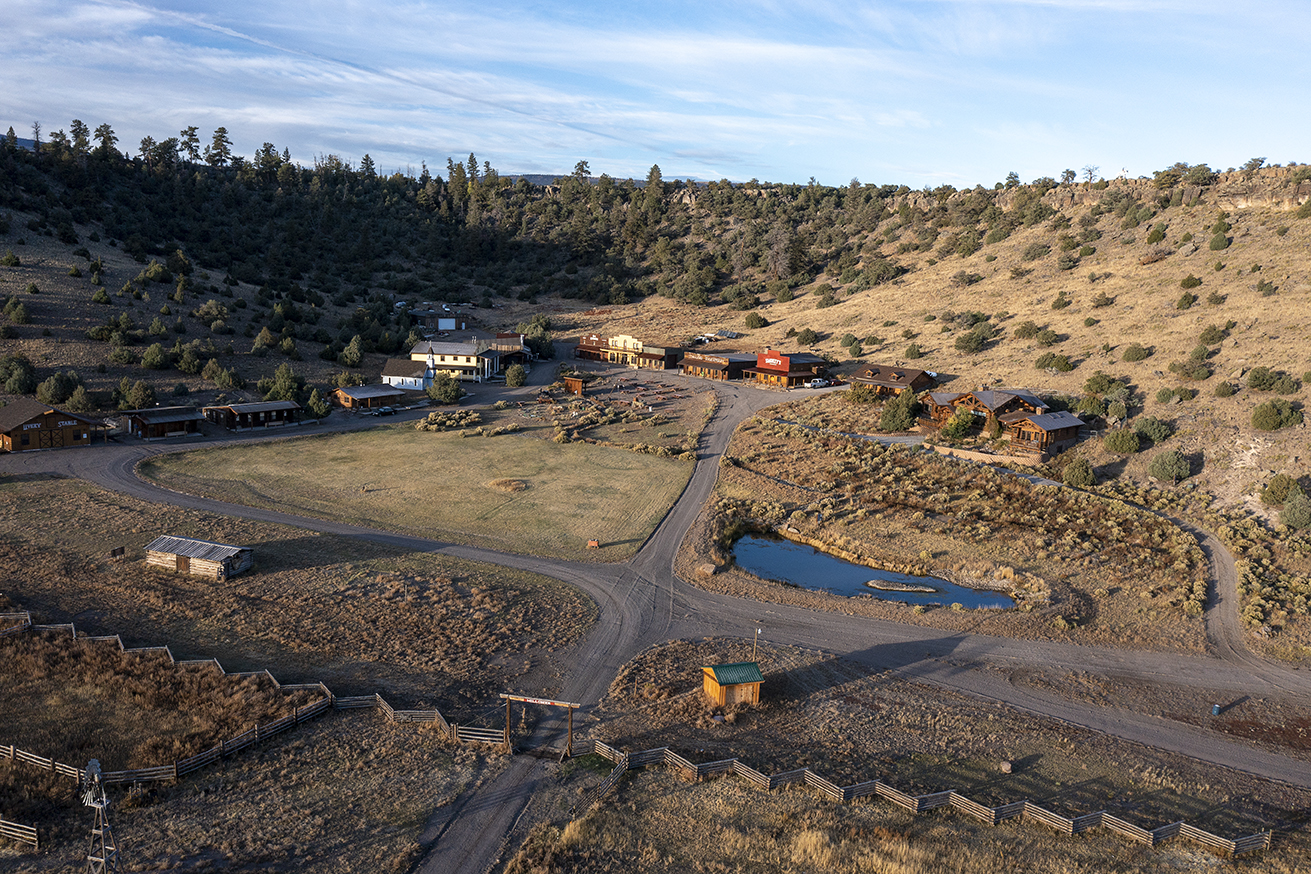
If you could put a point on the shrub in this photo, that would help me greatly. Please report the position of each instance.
(1121, 442)
(1266, 289)
(756, 320)
(1089, 322)
(1079, 474)
(1297, 509)
(1135, 352)
(1219, 243)
(1277, 490)
(959, 425)
(1224, 390)
(1034, 251)
(1102, 300)
(1153, 429)
(783, 294)
(1275, 414)
(1047, 337)
(899, 413)
(317, 406)
(32, 288)
(80, 401)
(154, 358)
(1061, 301)
(17, 312)
(1186, 300)
(444, 389)
(1189, 281)
(972, 342)
(807, 337)
(1157, 234)
(1026, 330)
(1067, 261)
(847, 340)
(101, 296)
(515, 376)
(1085, 251)
(58, 388)
(913, 351)
(1265, 379)
(1052, 361)
(1170, 465)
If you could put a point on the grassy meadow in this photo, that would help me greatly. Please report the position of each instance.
(443, 486)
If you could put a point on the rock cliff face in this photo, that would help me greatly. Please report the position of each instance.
(1270, 188)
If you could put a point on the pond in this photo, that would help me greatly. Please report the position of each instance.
(805, 566)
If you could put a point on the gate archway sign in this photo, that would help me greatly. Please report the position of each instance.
(545, 702)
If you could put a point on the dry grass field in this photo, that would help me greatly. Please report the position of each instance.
(423, 629)
(437, 485)
(347, 793)
(73, 700)
(850, 726)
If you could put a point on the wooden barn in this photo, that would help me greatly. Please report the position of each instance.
(737, 683)
(200, 558)
(26, 424)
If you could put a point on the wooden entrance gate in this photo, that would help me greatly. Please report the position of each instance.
(547, 702)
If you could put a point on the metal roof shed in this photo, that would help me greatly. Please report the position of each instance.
(734, 683)
(201, 558)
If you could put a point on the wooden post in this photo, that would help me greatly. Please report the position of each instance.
(569, 742)
(507, 726)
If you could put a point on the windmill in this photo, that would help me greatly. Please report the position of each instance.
(102, 858)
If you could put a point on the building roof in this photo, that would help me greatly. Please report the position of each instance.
(155, 415)
(21, 410)
(943, 398)
(884, 374)
(735, 673)
(360, 392)
(1055, 421)
(994, 398)
(405, 368)
(258, 407)
(191, 548)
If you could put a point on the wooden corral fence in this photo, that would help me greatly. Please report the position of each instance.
(23, 622)
(913, 803)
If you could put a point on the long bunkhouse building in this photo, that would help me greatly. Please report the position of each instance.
(158, 423)
(367, 397)
(785, 369)
(258, 414)
(26, 425)
(727, 365)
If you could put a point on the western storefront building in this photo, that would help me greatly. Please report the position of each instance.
(785, 369)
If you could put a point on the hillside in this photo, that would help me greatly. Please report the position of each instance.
(262, 263)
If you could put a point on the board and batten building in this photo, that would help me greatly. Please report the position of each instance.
(735, 683)
(26, 425)
(199, 558)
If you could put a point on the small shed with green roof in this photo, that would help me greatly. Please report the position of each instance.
(736, 683)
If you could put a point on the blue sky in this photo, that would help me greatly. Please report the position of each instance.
(911, 92)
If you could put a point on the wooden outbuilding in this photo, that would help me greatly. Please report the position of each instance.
(367, 397)
(259, 414)
(1043, 432)
(736, 683)
(158, 423)
(26, 424)
(888, 380)
(199, 558)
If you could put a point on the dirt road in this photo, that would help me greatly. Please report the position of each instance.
(642, 602)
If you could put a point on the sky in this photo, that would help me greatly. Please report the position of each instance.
(914, 92)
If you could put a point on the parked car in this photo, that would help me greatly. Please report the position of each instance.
(817, 383)
(386, 411)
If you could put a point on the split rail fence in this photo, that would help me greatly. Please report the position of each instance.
(913, 803)
(23, 622)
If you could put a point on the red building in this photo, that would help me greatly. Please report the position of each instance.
(785, 369)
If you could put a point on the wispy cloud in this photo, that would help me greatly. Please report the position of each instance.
(766, 89)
